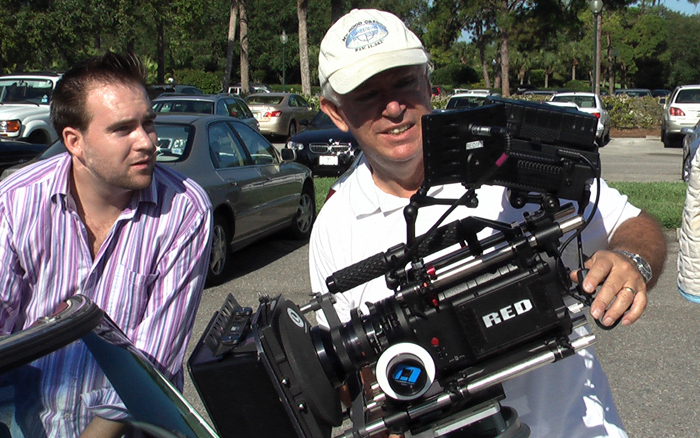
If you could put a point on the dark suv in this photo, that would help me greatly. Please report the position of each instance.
(221, 104)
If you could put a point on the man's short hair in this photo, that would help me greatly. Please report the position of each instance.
(363, 43)
(68, 101)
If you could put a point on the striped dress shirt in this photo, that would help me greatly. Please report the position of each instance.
(148, 277)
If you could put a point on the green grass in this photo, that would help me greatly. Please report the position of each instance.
(663, 200)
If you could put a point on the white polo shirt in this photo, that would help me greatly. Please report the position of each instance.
(570, 398)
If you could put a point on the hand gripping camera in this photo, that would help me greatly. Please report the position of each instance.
(466, 315)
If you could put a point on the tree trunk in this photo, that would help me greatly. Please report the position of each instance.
(505, 65)
(302, 7)
(231, 39)
(599, 19)
(243, 14)
(160, 49)
(336, 10)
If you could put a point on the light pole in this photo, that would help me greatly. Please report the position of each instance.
(615, 53)
(596, 7)
(283, 40)
(493, 64)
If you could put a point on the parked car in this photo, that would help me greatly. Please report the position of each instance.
(24, 107)
(524, 87)
(660, 93)
(254, 189)
(221, 104)
(252, 88)
(156, 90)
(592, 104)
(682, 110)
(633, 92)
(470, 99)
(153, 407)
(280, 114)
(691, 141)
(13, 153)
(539, 93)
(323, 147)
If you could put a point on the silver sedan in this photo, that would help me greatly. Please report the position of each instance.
(280, 113)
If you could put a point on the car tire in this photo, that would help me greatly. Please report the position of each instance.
(219, 258)
(685, 170)
(306, 214)
(292, 129)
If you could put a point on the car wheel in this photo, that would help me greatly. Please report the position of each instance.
(219, 257)
(685, 172)
(306, 214)
(39, 137)
(292, 128)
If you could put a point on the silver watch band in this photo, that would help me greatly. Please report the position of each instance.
(639, 262)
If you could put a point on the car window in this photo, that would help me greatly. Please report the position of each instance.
(221, 108)
(260, 149)
(224, 147)
(184, 106)
(322, 119)
(581, 101)
(173, 141)
(302, 101)
(235, 109)
(25, 90)
(465, 102)
(688, 96)
(263, 100)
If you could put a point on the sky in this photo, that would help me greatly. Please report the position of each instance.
(682, 6)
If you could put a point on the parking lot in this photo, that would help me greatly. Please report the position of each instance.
(652, 365)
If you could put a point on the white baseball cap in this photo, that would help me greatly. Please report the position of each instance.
(365, 42)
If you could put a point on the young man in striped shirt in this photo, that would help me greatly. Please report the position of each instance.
(102, 220)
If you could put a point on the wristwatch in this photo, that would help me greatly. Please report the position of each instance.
(639, 262)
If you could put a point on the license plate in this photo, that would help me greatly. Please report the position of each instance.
(328, 160)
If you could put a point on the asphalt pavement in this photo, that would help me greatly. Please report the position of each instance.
(652, 365)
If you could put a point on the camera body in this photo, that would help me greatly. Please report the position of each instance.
(458, 324)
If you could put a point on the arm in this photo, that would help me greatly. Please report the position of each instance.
(167, 323)
(11, 283)
(101, 428)
(640, 235)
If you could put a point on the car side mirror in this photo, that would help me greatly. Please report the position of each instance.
(288, 154)
(686, 130)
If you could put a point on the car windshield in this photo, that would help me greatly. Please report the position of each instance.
(17, 90)
(184, 106)
(688, 96)
(322, 120)
(466, 102)
(114, 379)
(264, 100)
(173, 141)
(581, 101)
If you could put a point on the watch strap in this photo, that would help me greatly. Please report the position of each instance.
(639, 262)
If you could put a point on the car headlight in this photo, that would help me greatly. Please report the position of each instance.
(10, 126)
(295, 145)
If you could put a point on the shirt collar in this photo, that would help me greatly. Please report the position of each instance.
(61, 186)
(370, 199)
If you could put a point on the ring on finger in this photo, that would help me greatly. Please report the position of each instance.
(634, 292)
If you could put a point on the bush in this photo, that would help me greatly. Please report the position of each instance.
(454, 74)
(633, 112)
(208, 82)
(578, 86)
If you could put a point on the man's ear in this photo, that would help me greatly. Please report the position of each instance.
(73, 140)
(333, 112)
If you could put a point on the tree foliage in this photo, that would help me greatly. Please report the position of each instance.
(643, 46)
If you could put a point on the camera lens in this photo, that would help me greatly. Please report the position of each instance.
(407, 377)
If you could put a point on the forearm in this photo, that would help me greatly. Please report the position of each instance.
(102, 428)
(642, 235)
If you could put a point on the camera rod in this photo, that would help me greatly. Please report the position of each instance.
(521, 361)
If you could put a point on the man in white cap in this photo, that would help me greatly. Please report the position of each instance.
(374, 76)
